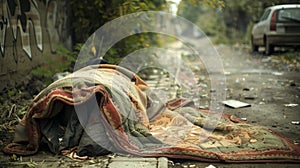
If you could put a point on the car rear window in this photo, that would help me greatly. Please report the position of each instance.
(289, 15)
(265, 15)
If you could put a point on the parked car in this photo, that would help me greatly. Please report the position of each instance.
(278, 26)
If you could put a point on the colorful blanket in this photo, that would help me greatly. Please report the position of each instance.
(117, 112)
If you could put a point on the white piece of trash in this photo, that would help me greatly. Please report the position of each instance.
(210, 166)
(290, 105)
(235, 103)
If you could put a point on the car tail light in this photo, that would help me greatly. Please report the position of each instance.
(273, 21)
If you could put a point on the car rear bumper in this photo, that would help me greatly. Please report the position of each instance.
(284, 40)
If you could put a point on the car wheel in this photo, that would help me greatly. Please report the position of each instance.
(269, 49)
(254, 47)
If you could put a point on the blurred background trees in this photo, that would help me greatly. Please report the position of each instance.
(88, 16)
(227, 21)
(230, 22)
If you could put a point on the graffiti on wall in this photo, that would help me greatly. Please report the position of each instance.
(19, 15)
(29, 31)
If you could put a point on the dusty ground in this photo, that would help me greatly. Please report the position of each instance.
(270, 84)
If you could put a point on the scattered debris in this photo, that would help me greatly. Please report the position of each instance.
(244, 119)
(296, 122)
(202, 85)
(212, 90)
(235, 104)
(277, 73)
(210, 166)
(249, 97)
(238, 80)
(292, 83)
(227, 73)
(177, 164)
(171, 162)
(12, 110)
(278, 98)
(264, 60)
(60, 75)
(204, 96)
(290, 105)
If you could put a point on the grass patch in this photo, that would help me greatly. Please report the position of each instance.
(64, 62)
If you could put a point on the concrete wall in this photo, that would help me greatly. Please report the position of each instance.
(29, 32)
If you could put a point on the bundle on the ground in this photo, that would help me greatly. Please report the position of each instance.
(106, 108)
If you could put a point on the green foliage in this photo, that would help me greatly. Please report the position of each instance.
(291, 57)
(205, 14)
(42, 72)
(11, 93)
(193, 9)
(53, 66)
(131, 44)
(91, 15)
